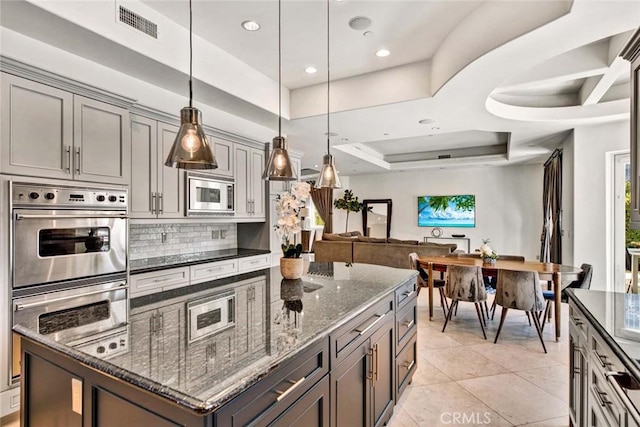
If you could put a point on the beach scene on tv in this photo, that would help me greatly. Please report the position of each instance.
(447, 211)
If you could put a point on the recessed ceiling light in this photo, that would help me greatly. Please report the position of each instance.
(311, 70)
(435, 128)
(344, 139)
(426, 121)
(250, 25)
(315, 166)
(382, 53)
(367, 34)
(385, 134)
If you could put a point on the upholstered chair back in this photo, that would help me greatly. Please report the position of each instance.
(520, 290)
(465, 283)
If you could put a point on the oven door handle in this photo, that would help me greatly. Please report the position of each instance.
(79, 216)
(20, 307)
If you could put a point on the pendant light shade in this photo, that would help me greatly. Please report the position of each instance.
(328, 175)
(279, 166)
(191, 150)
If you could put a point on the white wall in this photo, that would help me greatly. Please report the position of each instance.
(508, 203)
(591, 186)
(568, 155)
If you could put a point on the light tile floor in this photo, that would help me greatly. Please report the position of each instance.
(464, 380)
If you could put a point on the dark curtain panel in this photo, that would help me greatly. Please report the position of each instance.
(323, 201)
(551, 238)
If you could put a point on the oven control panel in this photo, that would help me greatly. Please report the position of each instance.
(68, 197)
(106, 346)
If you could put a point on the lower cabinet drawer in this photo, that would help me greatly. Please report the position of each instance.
(406, 293)
(349, 336)
(156, 281)
(406, 365)
(406, 325)
(279, 390)
(253, 263)
(213, 270)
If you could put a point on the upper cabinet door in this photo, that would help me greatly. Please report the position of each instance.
(223, 150)
(242, 156)
(102, 144)
(631, 52)
(144, 170)
(170, 180)
(37, 126)
(257, 183)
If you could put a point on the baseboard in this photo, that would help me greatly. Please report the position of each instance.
(9, 401)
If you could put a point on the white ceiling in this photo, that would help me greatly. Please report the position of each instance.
(501, 81)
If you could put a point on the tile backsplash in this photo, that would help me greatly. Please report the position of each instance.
(155, 240)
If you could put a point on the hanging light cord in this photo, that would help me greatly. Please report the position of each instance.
(279, 70)
(328, 84)
(190, 56)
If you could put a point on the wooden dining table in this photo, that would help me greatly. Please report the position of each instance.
(547, 271)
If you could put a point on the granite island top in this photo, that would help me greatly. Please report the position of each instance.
(146, 265)
(205, 373)
(616, 316)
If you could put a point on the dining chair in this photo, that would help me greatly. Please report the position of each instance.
(465, 283)
(423, 281)
(520, 290)
(583, 283)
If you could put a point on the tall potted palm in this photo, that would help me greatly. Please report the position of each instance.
(349, 203)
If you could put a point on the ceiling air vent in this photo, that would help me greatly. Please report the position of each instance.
(136, 21)
(444, 156)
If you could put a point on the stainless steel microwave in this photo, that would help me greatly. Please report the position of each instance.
(207, 195)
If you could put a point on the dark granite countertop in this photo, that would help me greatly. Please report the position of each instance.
(171, 261)
(616, 316)
(274, 321)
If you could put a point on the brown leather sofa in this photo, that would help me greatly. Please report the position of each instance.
(391, 252)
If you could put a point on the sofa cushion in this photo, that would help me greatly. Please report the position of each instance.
(350, 234)
(371, 239)
(337, 237)
(402, 242)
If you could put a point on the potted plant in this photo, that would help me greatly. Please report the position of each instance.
(489, 256)
(288, 205)
(349, 203)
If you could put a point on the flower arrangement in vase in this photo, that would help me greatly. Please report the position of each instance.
(489, 256)
(288, 205)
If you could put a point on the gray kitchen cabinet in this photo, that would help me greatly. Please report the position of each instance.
(631, 52)
(101, 144)
(207, 355)
(157, 191)
(250, 187)
(223, 150)
(251, 317)
(161, 352)
(51, 133)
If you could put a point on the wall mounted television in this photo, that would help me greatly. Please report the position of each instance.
(447, 211)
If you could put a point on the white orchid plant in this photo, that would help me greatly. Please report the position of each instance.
(288, 205)
(486, 251)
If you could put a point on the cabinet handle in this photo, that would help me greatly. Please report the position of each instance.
(602, 359)
(364, 331)
(161, 280)
(153, 203)
(408, 294)
(577, 371)
(152, 323)
(160, 203)
(602, 397)
(78, 159)
(375, 373)
(295, 384)
(161, 328)
(409, 324)
(67, 158)
(213, 269)
(577, 321)
(409, 365)
(370, 372)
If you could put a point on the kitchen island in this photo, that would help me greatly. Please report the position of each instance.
(334, 348)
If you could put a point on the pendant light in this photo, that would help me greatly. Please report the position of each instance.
(191, 150)
(279, 166)
(328, 175)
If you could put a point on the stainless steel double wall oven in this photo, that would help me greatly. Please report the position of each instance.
(69, 265)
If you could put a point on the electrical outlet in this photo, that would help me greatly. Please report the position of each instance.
(215, 234)
(223, 234)
(163, 237)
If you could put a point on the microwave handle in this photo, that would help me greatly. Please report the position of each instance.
(80, 216)
(230, 197)
(20, 307)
